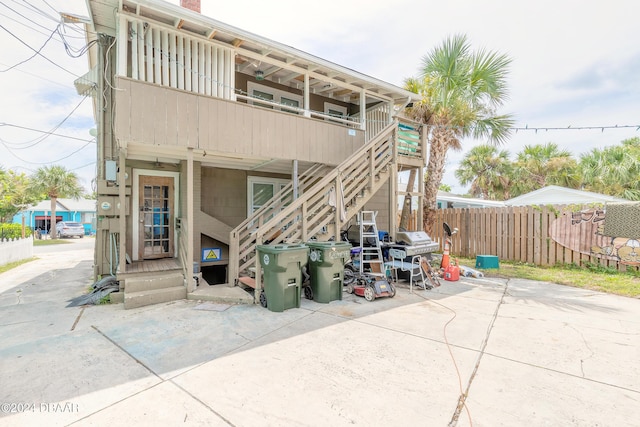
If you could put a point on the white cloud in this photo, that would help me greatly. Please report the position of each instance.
(574, 62)
(39, 94)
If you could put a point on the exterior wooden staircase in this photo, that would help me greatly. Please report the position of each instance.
(328, 199)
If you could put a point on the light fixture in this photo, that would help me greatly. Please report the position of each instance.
(259, 75)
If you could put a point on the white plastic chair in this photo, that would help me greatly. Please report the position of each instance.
(397, 262)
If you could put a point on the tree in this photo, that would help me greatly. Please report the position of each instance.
(613, 170)
(544, 164)
(16, 196)
(461, 91)
(488, 170)
(54, 182)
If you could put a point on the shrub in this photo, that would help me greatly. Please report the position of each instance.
(13, 231)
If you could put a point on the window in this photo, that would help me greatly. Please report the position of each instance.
(334, 110)
(263, 95)
(275, 95)
(88, 217)
(261, 191)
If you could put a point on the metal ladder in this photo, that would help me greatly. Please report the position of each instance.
(371, 255)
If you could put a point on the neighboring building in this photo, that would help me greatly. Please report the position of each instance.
(212, 140)
(556, 195)
(39, 215)
(446, 200)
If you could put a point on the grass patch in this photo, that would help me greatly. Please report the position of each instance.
(50, 242)
(15, 264)
(592, 276)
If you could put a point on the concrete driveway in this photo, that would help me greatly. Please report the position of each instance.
(523, 353)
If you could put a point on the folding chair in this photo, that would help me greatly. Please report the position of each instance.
(397, 262)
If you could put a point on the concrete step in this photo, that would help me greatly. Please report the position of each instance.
(152, 282)
(221, 294)
(155, 296)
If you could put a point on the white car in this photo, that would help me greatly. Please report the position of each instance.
(69, 229)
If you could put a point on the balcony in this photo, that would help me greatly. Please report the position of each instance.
(162, 117)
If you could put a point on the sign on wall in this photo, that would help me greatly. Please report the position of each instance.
(211, 254)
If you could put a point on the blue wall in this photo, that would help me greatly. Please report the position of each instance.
(30, 219)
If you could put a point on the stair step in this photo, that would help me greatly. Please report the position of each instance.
(248, 281)
(153, 282)
(156, 296)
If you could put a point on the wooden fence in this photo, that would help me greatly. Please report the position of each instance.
(515, 234)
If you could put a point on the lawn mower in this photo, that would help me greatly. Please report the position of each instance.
(366, 284)
(371, 286)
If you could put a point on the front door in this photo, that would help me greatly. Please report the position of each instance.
(156, 217)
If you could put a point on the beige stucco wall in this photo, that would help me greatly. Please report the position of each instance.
(380, 202)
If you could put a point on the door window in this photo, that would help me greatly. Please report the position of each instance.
(156, 217)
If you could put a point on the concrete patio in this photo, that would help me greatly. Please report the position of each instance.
(522, 352)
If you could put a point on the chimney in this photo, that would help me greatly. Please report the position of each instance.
(191, 4)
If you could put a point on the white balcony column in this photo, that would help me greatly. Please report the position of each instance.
(123, 34)
(307, 111)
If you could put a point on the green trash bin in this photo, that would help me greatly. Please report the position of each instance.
(282, 274)
(326, 262)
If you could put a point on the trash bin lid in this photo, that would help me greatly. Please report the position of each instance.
(327, 245)
(274, 249)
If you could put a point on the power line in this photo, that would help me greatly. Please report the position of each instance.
(32, 56)
(46, 132)
(601, 128)
(32, 8)
(29, 27)
(51, 7)
(83, 166)
(38, 53)
(38, 140)
(39, 77)
(25, 17)
(45, 163)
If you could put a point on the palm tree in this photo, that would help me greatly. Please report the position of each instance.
(461, 91)
(544, 164)
(53, 182)
(613, 170)
(488, 170)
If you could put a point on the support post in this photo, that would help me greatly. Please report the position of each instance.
(363, 110)
(339, 205)
(307, 111)
(190, 282)
(122, 197)
(294, 179)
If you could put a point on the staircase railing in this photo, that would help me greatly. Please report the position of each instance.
(241, 240)
(326, 207)
(330, 199)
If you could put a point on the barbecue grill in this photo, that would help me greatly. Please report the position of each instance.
(415, 243)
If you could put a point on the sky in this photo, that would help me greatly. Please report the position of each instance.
(575, 64)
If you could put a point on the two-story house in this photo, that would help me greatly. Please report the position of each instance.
(212, 140)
